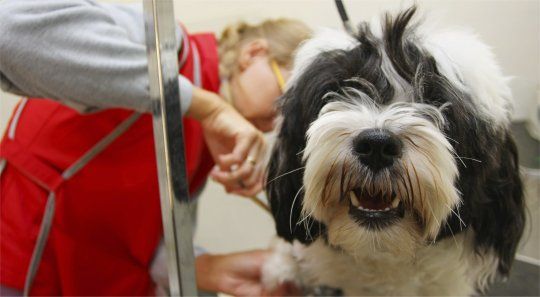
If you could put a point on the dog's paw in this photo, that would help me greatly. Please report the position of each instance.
(281, 267)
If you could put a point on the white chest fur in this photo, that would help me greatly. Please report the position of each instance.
(448, 267)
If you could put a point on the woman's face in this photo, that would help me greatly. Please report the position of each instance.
(255, 87)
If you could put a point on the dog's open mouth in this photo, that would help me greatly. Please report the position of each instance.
(375, 210)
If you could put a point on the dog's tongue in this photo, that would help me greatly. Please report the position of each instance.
(375, 202)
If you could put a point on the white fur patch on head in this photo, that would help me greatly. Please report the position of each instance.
(471, 66)
(325, 39)
(467, 62)
(461, 57)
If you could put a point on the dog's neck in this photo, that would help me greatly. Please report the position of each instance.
(321, 264)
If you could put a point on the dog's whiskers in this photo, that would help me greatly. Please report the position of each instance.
(460, 217)
(459, 158)
(284, 174)
(303, 219)
(450, 138)
(411, 188)
(421, 193)
(292, 207)
(467, 158)
(457, 215)
(452, 232)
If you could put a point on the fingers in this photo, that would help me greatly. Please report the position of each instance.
(239, 186)
(232, 180)
(248, 290)
(235, 186)
(253, 185)
(249, 143)
(254, 190)
(244, 173)
(247, 179)
(226, 179)
(257, 163)
(285, 289)
(240, 151)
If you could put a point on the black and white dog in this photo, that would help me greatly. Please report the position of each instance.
(394, 171)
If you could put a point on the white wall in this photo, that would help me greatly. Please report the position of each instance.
(511, 27)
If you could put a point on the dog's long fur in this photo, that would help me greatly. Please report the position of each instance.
(443, 95)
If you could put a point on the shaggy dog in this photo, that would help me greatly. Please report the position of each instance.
(394, 171)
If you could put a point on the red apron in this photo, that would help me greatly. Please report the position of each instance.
(107, 222)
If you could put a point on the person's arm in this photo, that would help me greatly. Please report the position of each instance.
(237, 147)
(92, 56)
(83, 53)
(237, 274)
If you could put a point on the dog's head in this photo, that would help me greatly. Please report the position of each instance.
(394, 138)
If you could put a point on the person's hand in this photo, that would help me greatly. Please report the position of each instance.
(237, 274)
(237, 147)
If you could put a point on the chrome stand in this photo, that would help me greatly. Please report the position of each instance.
(168, 139)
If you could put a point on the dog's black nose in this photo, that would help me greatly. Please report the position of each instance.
(377, 148)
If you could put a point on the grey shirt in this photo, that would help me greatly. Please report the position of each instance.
(83, 53)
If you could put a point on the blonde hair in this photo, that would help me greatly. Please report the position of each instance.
(283, 37)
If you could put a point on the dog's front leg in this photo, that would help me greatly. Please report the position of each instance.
(282, 266)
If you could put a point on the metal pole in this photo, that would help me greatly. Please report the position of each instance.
(168, 139)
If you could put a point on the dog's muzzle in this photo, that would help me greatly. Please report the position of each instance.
(375, 210)
(377, 148)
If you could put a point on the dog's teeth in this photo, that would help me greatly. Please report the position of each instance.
(354, 199)
(386, 209)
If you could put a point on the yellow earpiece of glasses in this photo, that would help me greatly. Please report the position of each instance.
(279, 76)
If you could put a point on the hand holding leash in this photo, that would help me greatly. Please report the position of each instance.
(237, 147)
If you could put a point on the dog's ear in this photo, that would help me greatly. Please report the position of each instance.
(284, 185)
(299, 106)
(498, 220)
(493, 202)
(285, 193)
(489, 182)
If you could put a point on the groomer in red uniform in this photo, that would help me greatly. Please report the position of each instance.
(90, 152)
